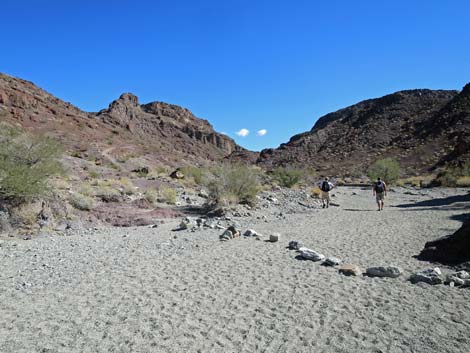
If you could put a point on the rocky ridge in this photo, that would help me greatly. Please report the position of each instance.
(423, 129)
(165, 132)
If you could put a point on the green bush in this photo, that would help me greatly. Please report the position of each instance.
(26, 163)
(197, 174)
(287, 177)
(233, 185)
(387, 169)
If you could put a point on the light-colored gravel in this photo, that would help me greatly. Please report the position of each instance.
(142, 290)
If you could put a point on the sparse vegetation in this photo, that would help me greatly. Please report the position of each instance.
(168, 195)
(26, 163)
(454, 176)
(151, 195)
(26, 214)
(287, 177)
(416, 181)
(195, 173)
(387, 169)
(81, 202)
(108, 194)
(232, 185)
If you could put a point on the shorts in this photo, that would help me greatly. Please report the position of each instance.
(325, 195)
(380, 196)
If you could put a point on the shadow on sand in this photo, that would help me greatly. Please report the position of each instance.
(445, 201)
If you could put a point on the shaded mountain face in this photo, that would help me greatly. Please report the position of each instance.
(163, 132)
(422, 129)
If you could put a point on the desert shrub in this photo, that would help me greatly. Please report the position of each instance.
(287, 177)
(108, 194)
(415, 181)
(86, 189)
(233, 184)
(447, 178)
(465, 170)
(168, 195)
(26, 214)
(127, 186)
(463, 181)
(151, 195)
(387, 169)
(26, 163)
(195, 173)
(81, 202)
(316, 192)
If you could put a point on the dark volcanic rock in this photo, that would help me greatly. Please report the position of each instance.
(422, 129)
(450, 250)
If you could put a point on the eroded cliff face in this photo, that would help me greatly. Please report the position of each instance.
(422, 129)
(165, 132)
(167, 121)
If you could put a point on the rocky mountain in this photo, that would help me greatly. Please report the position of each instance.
(422, 129)
(162, 132)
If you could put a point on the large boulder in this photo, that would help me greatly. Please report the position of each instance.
(295, 245)
(450, 250)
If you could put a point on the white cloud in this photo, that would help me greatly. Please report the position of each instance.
(243, 132)
(261, 132)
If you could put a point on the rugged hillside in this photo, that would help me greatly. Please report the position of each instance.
(422, 129)
(157, 131)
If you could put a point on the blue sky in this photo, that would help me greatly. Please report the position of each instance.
(254, 65)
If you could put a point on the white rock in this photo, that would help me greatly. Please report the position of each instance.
(310, 254)
(250, 233)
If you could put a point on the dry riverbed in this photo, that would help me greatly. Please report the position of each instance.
(149, 289)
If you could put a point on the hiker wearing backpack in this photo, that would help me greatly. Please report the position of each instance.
(380, 191)
(325, 187)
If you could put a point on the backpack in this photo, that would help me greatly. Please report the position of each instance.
(325, 186)
(379, 187)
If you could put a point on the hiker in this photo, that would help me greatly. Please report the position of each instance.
(380, 191)
(325, 187)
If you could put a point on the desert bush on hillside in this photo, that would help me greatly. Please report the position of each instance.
(26, 163)
(168, 195)
(232, 185)
(463, 181)
(387, 169)
(151, 195)
(108, 194)
(81, 202)
(195, 173)
(454, 176)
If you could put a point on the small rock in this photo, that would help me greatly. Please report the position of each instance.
(350, 270)
(451, 279)
(274, 237)
(429, 275)
(309, 254)
(230, 233)
(295, 245)
(332, 261)
(384, 271)
(250, 233)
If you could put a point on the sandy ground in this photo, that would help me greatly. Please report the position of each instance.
(143, 290)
